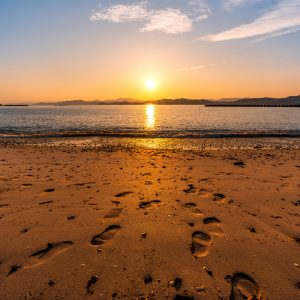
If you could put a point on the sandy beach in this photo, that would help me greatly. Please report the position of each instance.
(149, 223)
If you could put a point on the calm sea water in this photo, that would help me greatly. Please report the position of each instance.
(149, 120)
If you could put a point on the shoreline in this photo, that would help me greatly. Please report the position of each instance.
(178, 144)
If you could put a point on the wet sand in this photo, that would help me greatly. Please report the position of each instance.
(118, 223)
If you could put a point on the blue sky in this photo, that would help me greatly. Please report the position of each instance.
(66, 49)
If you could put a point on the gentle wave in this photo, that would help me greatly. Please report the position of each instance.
(153, 134)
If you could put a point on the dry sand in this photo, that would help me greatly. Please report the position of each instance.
(149, 224)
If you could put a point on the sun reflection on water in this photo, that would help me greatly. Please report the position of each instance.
(150, 116)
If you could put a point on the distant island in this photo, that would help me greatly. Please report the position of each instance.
(291, 101)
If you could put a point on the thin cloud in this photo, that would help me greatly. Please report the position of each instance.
(283, 18)
(168, 20)
(230, 4)
(277, 34)
(201, 18)
(196, 68)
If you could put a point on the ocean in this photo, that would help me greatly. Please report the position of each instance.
(185, 121)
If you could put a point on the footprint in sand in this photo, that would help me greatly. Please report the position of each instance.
(193, 208)
(26, 184)
(45, 192)
(201, 243)
(114, 213)
(239, 164)
(148, 204)
(191, 189)
(244, 287)
(183, 297)
(204, 193)
(105, 236)
(52, 249)
(213, 226)
(122, 195)
(46, 202)
(296, 203)
(218, 197)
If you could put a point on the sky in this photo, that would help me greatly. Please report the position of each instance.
(55, 50)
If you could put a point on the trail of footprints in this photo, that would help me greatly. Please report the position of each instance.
(242, 285)
(201, 240)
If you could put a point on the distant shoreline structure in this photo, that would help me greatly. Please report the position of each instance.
(14, 105)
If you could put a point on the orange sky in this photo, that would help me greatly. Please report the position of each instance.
(53, 51)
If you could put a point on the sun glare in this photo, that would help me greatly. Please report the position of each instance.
(150, 116)
(150, 84)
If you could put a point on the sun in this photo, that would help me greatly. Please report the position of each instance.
(151, 84)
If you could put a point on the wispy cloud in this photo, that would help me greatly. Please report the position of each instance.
(200, 6)
(168, 20)
(276, 34)
(198, 67)
(231, 4)
(194, 68)
(282, 19)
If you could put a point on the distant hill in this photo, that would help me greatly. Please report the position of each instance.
(121, 101)
(182, 101)
(288, 101)
(291, 101)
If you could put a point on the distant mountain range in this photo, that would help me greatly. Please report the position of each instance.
(288, 101)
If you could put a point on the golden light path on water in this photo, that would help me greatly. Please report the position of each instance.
(150, 116)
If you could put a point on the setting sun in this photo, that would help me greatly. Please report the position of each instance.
(150, 84)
